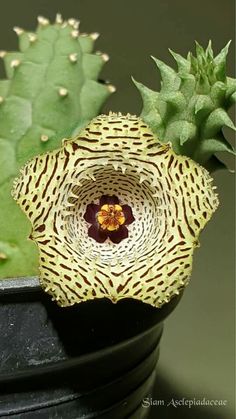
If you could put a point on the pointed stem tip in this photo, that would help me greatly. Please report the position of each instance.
(59, 19)
(75, 34)
(63, 92)
(32, 37)
(73, 57)
(94, 35)
(43, 21)
(15, 63)
(18, 31)
(105, 57)
(111, 88)
(44, 138)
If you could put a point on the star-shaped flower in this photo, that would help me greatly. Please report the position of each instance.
(115, 214)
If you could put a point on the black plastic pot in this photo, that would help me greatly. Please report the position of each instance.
(95, 359)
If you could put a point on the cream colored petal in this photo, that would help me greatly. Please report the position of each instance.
(171, 198)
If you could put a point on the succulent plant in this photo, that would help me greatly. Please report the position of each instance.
(191, 108)
(115, 213)
(51, 90)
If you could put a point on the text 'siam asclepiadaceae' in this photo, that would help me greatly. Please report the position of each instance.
(115, 213)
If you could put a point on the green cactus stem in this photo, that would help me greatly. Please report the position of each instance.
(51, 89)
(191, 108)
(115, 213)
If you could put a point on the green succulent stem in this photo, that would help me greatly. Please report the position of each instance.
(51, 91)
(190, 110)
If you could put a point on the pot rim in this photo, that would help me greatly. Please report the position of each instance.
(19, 284)
(81, 360)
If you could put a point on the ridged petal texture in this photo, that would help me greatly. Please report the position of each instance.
(52, 89)
(171, 197)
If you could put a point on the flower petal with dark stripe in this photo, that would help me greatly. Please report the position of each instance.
(166, 200)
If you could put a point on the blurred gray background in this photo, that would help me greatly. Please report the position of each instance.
(197, 351)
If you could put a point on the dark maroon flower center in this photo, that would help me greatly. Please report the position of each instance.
(109, 219)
